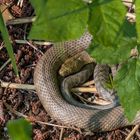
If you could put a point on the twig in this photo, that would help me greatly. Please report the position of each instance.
(61, 134)
(5, 64)
(34, 47)
(60, 126)
(100, 101)
(35, 42)
(89, 83)
(17, 86)
(20, 3)
(84, 89)
(132, 132)
(20, 20)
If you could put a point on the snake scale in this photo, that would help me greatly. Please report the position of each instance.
(48, 91)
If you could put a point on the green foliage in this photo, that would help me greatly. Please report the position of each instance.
(19, 129)
(137, 3)
(112, 55)
(127, 83)
(8, 45)
(58, 21)
(106, 20)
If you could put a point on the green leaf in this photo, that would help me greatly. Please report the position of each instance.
(138, 47)
(128, 88)
(137, 10)
(59, 21)
(39, 4)
(131, 33)
(123, 71)
(106, 20)
(8, 45)
(112, 55)
(19, 129)
(138, 71)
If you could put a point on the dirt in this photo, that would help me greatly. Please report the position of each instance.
(27, 102)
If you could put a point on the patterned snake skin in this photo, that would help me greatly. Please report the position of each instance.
(48, 91)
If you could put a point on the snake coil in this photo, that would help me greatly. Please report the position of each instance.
(48, 91)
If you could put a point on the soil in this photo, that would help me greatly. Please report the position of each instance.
(27, 102)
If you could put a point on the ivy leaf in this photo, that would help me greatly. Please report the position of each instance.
(137, 10)
(59, 21)
(106, 20)
(112, 55)
(19, 129)
(128, 87)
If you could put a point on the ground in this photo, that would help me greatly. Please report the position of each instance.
(27, 102)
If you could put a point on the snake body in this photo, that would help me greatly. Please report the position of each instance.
(48, 91)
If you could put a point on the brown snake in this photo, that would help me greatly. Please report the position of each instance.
(48, 91)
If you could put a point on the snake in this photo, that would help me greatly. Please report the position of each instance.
(49, 92)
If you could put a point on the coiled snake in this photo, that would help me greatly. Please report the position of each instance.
(48, 91)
